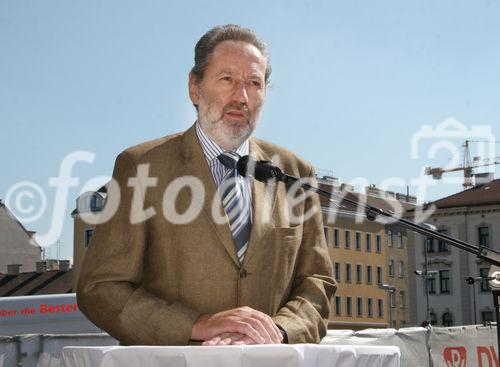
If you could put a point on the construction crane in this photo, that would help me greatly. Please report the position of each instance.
(467, 166)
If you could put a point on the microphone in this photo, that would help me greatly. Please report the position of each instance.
(260, 170)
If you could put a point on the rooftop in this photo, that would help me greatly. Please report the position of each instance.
(36, 283)
(479, 195)
(390, 203)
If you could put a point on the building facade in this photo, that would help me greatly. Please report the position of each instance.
(359, 258)
(472, 216)
(398, 275)
(90, 202)
(18, 247)
(367, 256)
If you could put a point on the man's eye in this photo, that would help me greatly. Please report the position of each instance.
(227, 78)
(256, 83)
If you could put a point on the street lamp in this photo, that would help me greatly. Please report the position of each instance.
(426, 274)
(390, 289)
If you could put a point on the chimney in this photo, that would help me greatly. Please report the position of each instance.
(63, 265)
(41, 266)
(14, 269)
(47, 265)
(52, 264)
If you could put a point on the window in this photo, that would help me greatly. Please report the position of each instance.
(347, 239)
(95, 203)
(400, 239)
(447, 319)
(389, 238)
(484, 236)
(402, 299)
(358, 241)
(444, 276)
(380, 308)
(348, 304)
(486, 316)
(368, 239)
(390, 269)
(369, 274)
(483, 272)
(433, 318)
(378, 244)
(442, 246)
(337, 271)
(401, 269)
(336, 240)
(392, 299)
(370, 307)
(431, 285)
(359, 307)
(430, 244)
(337, 306)
(88, 236)
(359, 275)
(325, 229)
(379, 275)
(347, 273)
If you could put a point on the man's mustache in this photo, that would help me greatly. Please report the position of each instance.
(238, 107)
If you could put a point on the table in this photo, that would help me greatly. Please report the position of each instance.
(294, 355)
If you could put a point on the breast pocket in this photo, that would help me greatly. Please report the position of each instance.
(288, 233)
(286, 241)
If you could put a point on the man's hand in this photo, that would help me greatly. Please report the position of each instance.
(252, 324)
(229, 339)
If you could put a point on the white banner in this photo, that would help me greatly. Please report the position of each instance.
(412, 342)
(464, 346)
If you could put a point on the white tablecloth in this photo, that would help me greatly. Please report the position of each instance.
(298, 355)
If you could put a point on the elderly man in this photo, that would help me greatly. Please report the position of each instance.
(251, 265)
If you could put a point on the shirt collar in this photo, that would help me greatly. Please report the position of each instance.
(212, 150)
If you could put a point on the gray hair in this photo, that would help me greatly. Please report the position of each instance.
(229, 32)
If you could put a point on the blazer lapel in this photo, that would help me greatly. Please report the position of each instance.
(196, 165)
(263, 200)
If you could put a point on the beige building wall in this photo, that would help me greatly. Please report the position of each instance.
(345, 255)
(397, 257)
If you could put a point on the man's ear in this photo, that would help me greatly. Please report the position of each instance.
(193, 89)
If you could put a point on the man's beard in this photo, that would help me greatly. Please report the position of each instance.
(229, 135)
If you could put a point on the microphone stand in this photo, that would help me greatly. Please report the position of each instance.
(267, 171)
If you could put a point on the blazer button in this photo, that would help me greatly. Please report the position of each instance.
(243, 273)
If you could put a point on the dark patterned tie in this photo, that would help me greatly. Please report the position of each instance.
(237, 208)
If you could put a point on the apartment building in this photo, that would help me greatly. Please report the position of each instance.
(472, 216)
(370, 259)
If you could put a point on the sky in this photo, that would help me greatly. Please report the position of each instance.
(369, 92)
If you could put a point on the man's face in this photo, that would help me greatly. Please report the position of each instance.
(231, 94)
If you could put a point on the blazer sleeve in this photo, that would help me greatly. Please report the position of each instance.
(109, 290)
(304, 316)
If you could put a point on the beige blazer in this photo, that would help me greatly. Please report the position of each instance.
(147, 282)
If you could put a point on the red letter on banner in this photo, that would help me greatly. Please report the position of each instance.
(455, 356)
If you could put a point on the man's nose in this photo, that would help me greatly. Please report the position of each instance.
(240, 93)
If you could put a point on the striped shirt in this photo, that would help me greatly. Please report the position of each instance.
(212, 151)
